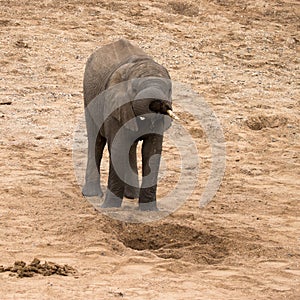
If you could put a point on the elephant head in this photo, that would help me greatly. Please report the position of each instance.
(130, 96)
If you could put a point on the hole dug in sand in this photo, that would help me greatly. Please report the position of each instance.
(175, 242)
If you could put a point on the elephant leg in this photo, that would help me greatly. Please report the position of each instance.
(132, 181)
(96, 144)
(115, 189)
(151, 152)
(115, 185)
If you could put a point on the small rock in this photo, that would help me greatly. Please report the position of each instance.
(21, 44)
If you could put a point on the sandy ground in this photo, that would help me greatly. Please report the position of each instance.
(242, 57)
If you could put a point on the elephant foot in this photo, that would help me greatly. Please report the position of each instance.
(148, 206)
(92, 189)
(111, 203)
(131, 192)
(111, 200)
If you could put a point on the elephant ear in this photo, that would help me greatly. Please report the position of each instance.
(118, 105)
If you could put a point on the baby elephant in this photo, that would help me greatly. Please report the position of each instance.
(127, 98)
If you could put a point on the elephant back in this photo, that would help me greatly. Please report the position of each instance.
(103, 62)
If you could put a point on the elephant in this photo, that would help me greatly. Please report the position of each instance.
(127, 99)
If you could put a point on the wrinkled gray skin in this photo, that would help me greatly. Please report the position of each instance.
(115, 76)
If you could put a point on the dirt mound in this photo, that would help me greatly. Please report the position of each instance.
(35, 267)
(263, 121)
(183, 8)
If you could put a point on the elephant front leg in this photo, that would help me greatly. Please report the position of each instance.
(115, 189)
(151, 154)
(116, 177)
(132, 181)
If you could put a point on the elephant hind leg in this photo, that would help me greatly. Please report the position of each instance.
(96, 144)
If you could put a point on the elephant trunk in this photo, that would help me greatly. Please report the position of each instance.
(162, 107)
(154, 98)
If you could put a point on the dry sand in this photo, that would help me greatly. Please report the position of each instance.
(242, 57)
